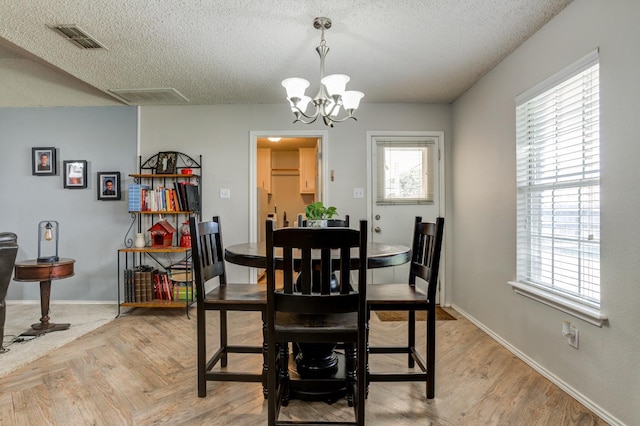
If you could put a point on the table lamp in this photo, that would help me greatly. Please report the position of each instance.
(48, 241)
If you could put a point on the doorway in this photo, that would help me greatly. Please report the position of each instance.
(406, 179)
(297, 175)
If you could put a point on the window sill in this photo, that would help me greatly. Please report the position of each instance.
(578, 310)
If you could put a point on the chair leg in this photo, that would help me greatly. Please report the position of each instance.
(272, 379)
(265, 355)
(223, 337)
(411, 338)
(367, 369)
(202, 347)
(361, 380)
(431, 353)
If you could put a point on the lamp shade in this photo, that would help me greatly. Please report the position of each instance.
(295, 87)
(335, 83)
(351, 99)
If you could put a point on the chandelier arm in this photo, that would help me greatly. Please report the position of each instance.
(298, 112)
(298, 119)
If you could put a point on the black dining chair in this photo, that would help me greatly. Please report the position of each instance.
(310, 313)
(409, 297)
(208, 263)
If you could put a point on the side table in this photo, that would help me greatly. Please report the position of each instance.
(45, 272)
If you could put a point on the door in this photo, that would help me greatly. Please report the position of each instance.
(405, 182)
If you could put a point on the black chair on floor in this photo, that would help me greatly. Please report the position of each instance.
(8, 252)
(408, 297)
(307, 312)
(208, 263)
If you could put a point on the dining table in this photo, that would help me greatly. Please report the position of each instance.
(318, 361)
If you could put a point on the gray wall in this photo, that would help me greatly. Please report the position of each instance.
(606, 367)
(221, 134)
(91, 231)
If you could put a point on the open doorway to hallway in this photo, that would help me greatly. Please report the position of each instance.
(298, 175)
(287, 179)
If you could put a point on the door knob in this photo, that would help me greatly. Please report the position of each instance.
(377, 217)
(377, 229)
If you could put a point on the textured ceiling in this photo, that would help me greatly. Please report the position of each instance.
(238, 51)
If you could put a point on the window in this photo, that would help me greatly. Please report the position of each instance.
(404, 172)
(558, 180)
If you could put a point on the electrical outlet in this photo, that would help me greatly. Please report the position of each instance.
(572, 340)
(225, 193)
(571, 333)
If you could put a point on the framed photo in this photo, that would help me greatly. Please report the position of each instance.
(75, 174)
(108, 186)
(43, 161)
(166, 163)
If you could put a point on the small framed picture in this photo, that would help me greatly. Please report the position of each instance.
(43, 161)
(166, 163)
(108, 186)
(75, 174)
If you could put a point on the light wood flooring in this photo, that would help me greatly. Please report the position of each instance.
(140, 370)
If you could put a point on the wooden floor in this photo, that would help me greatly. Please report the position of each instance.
(140, 370)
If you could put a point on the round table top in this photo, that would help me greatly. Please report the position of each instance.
(33, 263)
(32, 270)
(379, 255)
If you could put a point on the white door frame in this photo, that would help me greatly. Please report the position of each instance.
(371, 136)
(323, 169)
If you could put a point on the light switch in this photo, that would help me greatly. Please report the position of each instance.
(225, 193)
(358, 192)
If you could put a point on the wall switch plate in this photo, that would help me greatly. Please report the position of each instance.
(225, 193)
(358, 192)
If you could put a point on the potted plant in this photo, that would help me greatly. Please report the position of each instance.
(317, 214)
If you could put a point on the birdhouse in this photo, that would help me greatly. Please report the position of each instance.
(162, 234)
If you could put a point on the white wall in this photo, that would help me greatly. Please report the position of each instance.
(221, 134)
(605, 372)
(91, 231)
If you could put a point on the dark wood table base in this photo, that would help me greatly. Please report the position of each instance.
(44, 326)
(32, 270)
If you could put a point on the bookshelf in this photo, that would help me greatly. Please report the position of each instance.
(165, 193)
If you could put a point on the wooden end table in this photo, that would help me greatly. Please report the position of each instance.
(45, 272)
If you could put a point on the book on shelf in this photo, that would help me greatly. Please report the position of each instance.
(183, 291)
(135, 194)
(192, 198)
(162, 286)
(188, 196)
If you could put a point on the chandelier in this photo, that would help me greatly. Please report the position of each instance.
(331, 97)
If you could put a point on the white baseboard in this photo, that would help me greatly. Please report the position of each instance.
(604, 415)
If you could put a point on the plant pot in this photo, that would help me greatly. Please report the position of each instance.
(322, 223)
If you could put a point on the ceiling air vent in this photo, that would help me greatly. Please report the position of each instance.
(159, 96)
(78, 36)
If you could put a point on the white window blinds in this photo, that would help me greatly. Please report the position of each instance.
(558, 179)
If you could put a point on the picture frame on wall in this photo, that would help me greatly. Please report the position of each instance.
(43, 161)
(108, 186)
(166, 163)
(75, 174)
